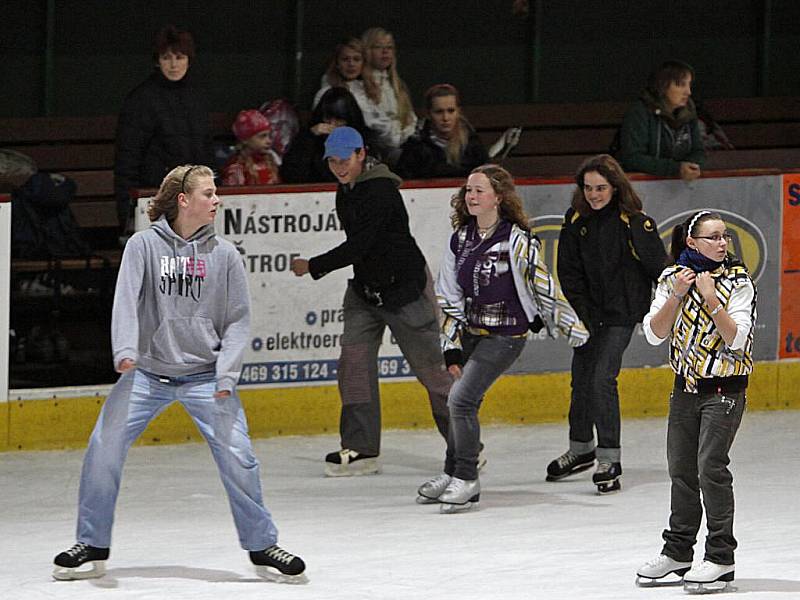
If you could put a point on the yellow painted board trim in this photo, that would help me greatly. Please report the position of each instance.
(514, 399)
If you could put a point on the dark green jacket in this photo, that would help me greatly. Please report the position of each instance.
(648, 136)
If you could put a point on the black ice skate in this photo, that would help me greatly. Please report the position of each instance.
(69, 563)
(709, 577)
(276, 564)
(606, 478)
(346, 463)
(568, 464)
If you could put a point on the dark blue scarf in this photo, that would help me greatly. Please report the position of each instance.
(697, 262)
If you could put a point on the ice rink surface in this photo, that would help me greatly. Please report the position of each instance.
(365, 538)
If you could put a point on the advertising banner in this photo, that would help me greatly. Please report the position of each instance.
(789, 341)
(297, 322)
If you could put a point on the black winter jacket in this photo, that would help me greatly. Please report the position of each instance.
(607, 264)
(379, 245)
(162, 124)
(422, 158)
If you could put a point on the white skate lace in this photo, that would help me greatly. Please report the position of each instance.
(279, 554)
(439, 480)
(603, 467)
(565, 459)
(456, 485)
(77, 549)
(657, 561)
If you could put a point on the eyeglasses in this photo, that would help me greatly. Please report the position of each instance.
(715, 238)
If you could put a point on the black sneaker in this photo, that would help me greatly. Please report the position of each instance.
(68, 562)
(568, 464)
(276, 564)
(349, 462)
(606, 478)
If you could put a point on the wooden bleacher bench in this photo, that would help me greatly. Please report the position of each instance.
(555, 139)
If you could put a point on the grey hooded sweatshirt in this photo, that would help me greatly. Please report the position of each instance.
(181, 306)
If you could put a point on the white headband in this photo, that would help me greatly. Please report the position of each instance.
(694, 220)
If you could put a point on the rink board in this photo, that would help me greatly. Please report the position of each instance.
(290, 390)
(514, 399)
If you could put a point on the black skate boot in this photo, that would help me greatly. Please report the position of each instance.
(276, 564)
(568, 464)
(346, 463)
(606, 477)
(68, 563)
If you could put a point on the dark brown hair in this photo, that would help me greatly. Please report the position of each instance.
(682, 230)
(671, 71)
(510, 207)
(170, 38)
(610, 169)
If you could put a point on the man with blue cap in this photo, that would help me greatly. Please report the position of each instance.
(388, 288)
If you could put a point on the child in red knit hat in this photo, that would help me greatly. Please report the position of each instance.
(255, 162)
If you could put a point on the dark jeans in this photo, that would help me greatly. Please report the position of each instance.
(595, 400)
(416, 329)
(700, 433)
(486, 358)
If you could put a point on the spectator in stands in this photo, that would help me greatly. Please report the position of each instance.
(254, 162)
(492, 286)
(303, 161)
(393, 118)
(445, 145)
(348, 68)
(163, 123)
(609, 256)
(387, 289)
(660, 133)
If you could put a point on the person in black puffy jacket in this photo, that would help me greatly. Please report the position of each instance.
(445, 144)
(163, 123)
(609, 256)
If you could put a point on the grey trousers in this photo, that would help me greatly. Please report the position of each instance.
(416, 329)
(700, 433)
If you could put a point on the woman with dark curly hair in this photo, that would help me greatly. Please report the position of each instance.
(492, 286)
(609, 256)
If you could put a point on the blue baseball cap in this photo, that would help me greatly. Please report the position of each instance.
(342, 142)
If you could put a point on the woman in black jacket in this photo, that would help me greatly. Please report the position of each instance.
(163, 122)
(609, 256)
(303, 161)
(445, 145)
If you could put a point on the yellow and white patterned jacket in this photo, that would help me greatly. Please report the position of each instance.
(696, 348)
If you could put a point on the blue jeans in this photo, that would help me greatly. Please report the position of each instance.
(486, 358)
(135, 400)
(595, 399)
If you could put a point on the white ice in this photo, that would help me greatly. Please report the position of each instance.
(365, 538)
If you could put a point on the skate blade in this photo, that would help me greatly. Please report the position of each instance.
(450, 509)
(425, 500)
(275, 576)
(97, 569)
(366, 466)
(575, 471)
(668, 580)
(604, 489)
(713, 587)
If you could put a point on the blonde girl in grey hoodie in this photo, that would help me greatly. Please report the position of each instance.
(180, 324)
